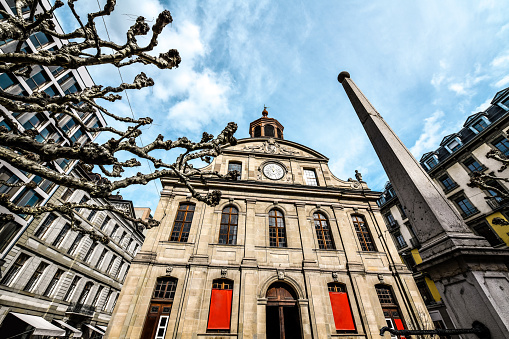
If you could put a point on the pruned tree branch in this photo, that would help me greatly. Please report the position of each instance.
(20, 148)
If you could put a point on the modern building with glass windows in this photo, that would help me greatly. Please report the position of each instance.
(452, 167)
(53, 280)
(291, 251)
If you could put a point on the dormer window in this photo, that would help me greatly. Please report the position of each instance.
(453, 145)
(477, 122)
(504, 104)
(431, 162)
(480, 125)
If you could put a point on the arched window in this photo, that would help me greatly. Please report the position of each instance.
(85, 292)
(220, 305)
(182, 224)
(269, 130)
(160, 308)
(363, 233)
(341, 307)
(389, 307)
(277, 229)
(323, 233)
(228, 228)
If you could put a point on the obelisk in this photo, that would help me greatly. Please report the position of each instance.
(472, 276)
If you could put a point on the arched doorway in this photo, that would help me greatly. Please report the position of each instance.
(282, 313)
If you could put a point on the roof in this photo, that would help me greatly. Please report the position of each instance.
(472, 118)
(499, 95)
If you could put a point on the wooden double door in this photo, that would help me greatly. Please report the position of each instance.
(157, 319)
(282, 313)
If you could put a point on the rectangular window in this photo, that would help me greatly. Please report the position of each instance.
(40, 39)
(91, 215)
(454, 145)
(61, 235)
(484, 230)
(122, 237)
(75, 244)
(53, 283)
(41, 231)
(27, 197)
(67, 194)
(235, 166)
(101, 258)
(465, 206)
(391, 222)
(480, 125)
(400, 241)
(115, 228)
(15, 268)
(310, 177)
(95, 301)
(402, 211)
(72, 288)
(220, 307)
(111, 265)
(432, 162)
(9, 178)
(105, 222)
(46, 134)
(8, 230)
(35, 277)
(89, 252)
(502, 144)
(7, 80)
(341, 308)
(473, 165)
(447, 182)
(38, 79)
(182, 224)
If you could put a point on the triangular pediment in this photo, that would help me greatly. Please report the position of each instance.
(499, 95)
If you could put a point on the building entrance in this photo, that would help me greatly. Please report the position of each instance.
(159, 310)
(283, 319)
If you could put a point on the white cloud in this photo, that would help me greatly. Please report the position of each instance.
(458, 88)
(502, 82)
(501, 61)
(482, 107)
(431, 135)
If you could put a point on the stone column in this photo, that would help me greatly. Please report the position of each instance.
(470, 274)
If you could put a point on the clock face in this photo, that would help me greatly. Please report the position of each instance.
(273, 171)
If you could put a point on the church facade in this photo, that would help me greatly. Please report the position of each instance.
(290, 252)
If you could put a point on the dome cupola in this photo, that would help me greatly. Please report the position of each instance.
(266, 127)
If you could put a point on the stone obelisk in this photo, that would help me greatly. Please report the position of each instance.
(472, 276)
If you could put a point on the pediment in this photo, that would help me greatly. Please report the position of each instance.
(273, 146)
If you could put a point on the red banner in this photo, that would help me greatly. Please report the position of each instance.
(342, 312)
(220, 309)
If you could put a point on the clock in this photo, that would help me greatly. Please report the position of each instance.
(273, 171)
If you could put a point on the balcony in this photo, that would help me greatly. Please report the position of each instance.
(392, 226)
(81, 309)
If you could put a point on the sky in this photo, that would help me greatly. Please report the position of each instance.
(425, 66)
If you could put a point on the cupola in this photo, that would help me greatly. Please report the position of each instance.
(266, 127)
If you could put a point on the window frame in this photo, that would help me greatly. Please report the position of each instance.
(323, 244)
(224, 237)
(275, 228)
(237, 164)
(308, 180)
(365, 237)
(181, 235)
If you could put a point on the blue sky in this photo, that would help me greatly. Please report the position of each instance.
(425, 66)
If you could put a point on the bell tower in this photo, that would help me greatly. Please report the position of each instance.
(266, 127)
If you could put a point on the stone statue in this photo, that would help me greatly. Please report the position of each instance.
(358, 175)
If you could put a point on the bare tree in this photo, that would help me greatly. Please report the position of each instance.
(88, 49)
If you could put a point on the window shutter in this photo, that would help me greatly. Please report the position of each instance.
(341, 311)
(399, 324)
(220, 309)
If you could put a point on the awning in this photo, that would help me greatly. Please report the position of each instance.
(42, 327)
(104, 328)
(95, 329)
(76, 333)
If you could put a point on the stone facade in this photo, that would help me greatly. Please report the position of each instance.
(252, 265)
